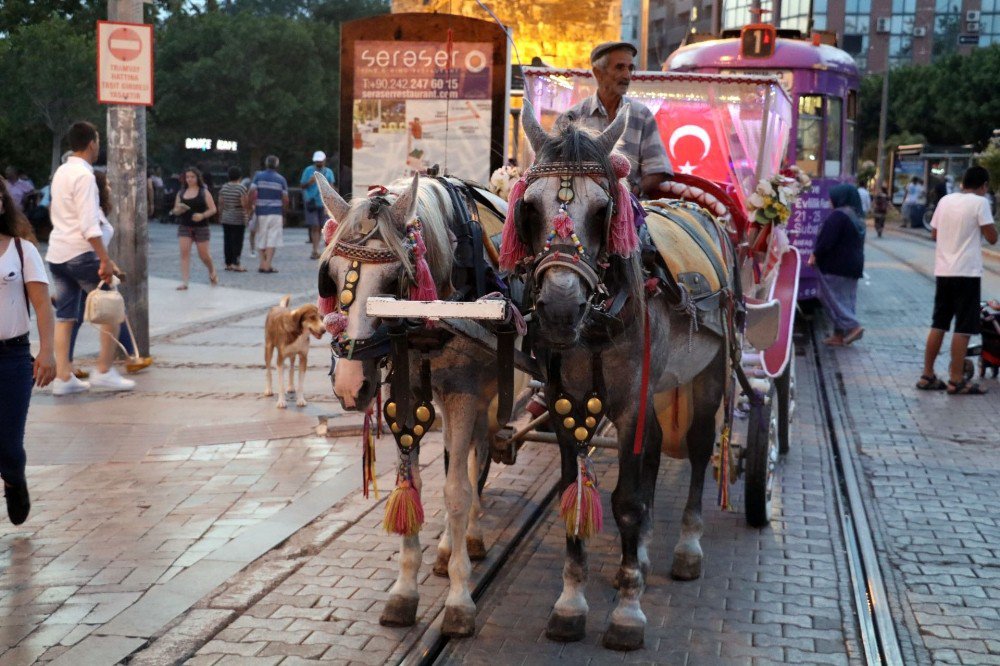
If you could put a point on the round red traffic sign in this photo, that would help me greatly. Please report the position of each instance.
(124, 44)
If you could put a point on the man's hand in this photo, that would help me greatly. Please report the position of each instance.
(107, 270)
(44, 370)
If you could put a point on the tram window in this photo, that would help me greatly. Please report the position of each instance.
(809, 139)
(834, 137)
(850, 132)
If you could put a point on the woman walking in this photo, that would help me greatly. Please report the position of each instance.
(840, 257)
(233, 215)
(25, 282)
(194, 206)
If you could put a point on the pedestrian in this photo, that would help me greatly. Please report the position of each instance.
(315, 212)
(866, 201)
(78, 259)
(25, 286)
(959, 222)
(910, 195)
(839, 255)
(612, 64)
(880, 208)
(269, 197)
(194, 206)
(233, 204)
(19, 185)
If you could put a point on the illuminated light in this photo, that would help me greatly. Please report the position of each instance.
(191, 143)
(225, 144)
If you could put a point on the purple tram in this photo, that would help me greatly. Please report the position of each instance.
(822, 82)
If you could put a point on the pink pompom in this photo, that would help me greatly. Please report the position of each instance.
(622, 167)
(512, 250)
(326, 304)
(335, 323)
(624, 240)
(329, 229)
(563, 224)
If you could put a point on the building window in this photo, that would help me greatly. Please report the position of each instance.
(901, 32)
(947, 26)
(857, 21)
(989, 23)
(736, 14)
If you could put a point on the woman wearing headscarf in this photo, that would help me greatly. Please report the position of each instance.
(839, 256)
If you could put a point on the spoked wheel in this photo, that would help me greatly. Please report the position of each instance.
(761, 460)
(784, 386)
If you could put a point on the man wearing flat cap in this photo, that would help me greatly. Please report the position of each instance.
(612, 63)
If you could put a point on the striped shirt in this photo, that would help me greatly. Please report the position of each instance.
(640, 141)
(231, 198)
(271, 188)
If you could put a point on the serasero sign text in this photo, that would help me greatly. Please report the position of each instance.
(124, 63)
(422, 70)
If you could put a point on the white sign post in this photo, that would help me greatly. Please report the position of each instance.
(124, 63)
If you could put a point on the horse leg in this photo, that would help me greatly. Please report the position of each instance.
(401, 608)
(630, 505)
(568, 621)
(650, 471)
(474, 537)
(701, 441)
(459, 608)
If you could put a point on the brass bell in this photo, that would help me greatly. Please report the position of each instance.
(569, 422)
(563, 406)
(418, 430)
(594, 405)
(346, 297)
(406, 440)
(423, 414)
(590, 422)
(390, 409)
(580, 434)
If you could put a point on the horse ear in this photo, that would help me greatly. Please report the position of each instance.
(536, 135)
(334, 203)
(610, 136)
(405, 206)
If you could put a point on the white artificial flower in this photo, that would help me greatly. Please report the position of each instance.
(756, 200)
(765, 188)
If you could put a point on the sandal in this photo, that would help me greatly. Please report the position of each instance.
(965, 388)
(239, 269)
(931, 383)
(182, 287)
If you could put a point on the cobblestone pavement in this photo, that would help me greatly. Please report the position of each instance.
(930, 461)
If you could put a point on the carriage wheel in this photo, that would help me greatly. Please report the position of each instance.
(784, 386)
(761, 459)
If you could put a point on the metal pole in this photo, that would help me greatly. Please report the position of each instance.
(883, 119)
(643, 34)
(126, 142)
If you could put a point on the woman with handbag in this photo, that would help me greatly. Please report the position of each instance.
(194, 206)
(24, 285)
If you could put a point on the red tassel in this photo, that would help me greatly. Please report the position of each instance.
(335, 323)
(512, 250)
(326, 305)
(329, 229)
(620, 164)
(404, 512)
(424, 289)
(624, 240)
(563, 224)
(581, 508)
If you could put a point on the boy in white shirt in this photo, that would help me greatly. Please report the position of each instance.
(959, 221)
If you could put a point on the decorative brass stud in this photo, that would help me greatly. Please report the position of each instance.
(355, 264)
(390, 409)
(594, 405)
(569, 422)
(346, 297)
(395, 427)
(565, 194)
(580, 434)
(423, 414)
(406, 440)
(563, 406)
(352, 276)
(590, 422)
(418, 430)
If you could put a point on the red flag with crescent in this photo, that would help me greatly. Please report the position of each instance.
(692, 142)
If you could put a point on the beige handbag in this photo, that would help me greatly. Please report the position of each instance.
(105, 307)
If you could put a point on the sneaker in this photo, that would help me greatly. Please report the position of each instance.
(18, 503)
(111, 381)
(71, 385)
(253, 254)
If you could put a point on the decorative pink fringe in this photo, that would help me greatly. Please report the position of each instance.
(424, 289)
(335, 323)
(624, 239)
(563, 224)
(404, 512)
(326, 305)
(512, 250)
(586, 520)
(329, 229)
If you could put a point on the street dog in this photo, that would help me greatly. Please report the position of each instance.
(287, 333)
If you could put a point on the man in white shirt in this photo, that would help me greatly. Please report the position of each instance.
(78, 260)
(959, 221)
(866, 200)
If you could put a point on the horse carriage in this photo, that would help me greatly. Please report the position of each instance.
(685, 299)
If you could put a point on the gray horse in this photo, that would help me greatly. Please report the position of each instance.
(573, 176)
(368, 252)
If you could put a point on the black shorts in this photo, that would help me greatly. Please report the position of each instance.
(957, 298)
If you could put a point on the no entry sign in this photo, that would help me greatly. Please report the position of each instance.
(124, 63)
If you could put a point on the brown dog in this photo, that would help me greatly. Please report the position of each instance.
(287, 332)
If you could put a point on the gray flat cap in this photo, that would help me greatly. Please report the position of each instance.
(608, 47)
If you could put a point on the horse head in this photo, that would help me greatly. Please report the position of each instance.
(377, 249)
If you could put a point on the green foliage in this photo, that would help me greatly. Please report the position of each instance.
(81, 14)
(990, 158)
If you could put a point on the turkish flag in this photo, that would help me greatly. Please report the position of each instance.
(692, 142)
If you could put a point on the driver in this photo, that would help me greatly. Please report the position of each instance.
(613, 66)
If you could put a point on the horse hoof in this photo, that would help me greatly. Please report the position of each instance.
(399, 612)
(566, 628)
(624, 637)
(441, 565)
(458, 623)
(476, 548)
(687, 566)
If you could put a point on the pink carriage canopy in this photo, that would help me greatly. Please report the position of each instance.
(732, 130)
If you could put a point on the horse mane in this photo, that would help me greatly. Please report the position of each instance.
(575, 144)
(434, 209)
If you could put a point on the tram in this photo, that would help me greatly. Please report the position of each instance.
(822, 82)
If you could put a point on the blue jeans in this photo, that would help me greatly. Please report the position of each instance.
(839, 295)
(15, 394)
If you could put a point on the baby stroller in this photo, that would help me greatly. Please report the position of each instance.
(989, 351)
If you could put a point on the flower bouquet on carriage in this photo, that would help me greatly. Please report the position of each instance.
(768, 209)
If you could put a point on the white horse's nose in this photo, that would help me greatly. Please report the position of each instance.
(348, 378)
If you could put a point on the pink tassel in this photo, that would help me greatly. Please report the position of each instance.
(335, 323)
(326, 304)
(329, 229)
(624, 240)
(587, 519)
(563, 224)
(620, 164)
(424, 289)
(512, 250)
(404, 512)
